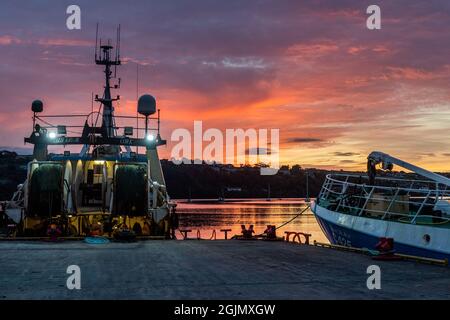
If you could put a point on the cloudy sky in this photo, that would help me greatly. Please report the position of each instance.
(335, 89)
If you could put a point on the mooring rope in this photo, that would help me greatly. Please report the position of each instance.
(276, 228)
(289, 221)
(298, 215)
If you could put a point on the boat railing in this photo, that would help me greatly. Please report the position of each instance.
(93, 118)
(404, 200)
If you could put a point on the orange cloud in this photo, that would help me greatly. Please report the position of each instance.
(8, 40)
(65, 42)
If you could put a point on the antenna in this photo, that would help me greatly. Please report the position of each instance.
(92, 109)
(118, 44)
(96, 42)
(137, 113)
(106, 59)
(117, 59)
(137, 81)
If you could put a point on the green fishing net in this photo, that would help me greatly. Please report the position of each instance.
(45, 193)
(130, 190)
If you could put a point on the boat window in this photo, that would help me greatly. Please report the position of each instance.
(98, 169)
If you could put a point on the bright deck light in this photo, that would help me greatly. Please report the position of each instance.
(52, 135)
(150, 137)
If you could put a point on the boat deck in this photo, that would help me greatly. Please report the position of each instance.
(208, 270)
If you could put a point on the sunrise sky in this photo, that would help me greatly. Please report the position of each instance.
(335, 89)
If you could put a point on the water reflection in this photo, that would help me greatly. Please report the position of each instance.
(208, 215)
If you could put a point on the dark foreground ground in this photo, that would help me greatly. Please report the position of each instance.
(208, 270)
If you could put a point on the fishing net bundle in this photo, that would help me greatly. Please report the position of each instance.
(46, 189)
(130, 191)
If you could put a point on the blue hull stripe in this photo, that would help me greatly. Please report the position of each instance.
(347, 237)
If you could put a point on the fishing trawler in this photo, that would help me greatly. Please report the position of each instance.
(356, 210)
(105, 187)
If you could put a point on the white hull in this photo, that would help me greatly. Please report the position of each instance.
(357, 231)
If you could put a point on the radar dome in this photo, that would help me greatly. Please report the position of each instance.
(147, 105)
(37, 106)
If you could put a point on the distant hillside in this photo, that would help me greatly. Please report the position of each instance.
(13, 171)
(198, 181)
(207, 181)
(18, 150)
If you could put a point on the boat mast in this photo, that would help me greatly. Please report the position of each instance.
(103, 139)
(307, 186)
(104, 58)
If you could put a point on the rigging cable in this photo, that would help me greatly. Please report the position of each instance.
(53, 126)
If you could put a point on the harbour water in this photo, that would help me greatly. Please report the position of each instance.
(209, 215)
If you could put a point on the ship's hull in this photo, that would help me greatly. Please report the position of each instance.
(362, 232)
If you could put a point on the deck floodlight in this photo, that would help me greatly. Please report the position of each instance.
(61, 129)
(52, 135)
(128, 131)
(150, 137)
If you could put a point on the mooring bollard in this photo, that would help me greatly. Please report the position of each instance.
(288, 234)
(226, 232)
(185, 232)
(307, 236)
(297, 236)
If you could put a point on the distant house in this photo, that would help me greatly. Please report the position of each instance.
(284, 170)
(230, 168)
(5, 154)
(215, 168)
(233, 189)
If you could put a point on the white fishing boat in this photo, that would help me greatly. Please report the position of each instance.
(108, 185)
(357, 210)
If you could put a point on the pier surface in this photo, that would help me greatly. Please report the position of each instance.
(208, 270)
